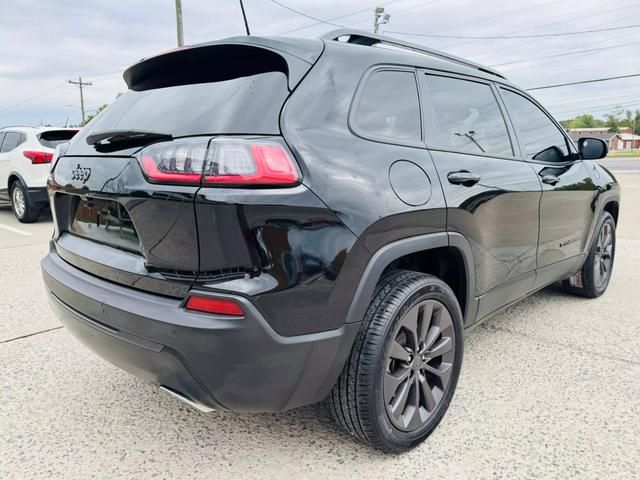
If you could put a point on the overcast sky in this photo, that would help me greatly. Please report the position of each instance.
(43, 43)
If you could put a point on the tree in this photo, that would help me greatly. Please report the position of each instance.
(92, 116)
(585, 121)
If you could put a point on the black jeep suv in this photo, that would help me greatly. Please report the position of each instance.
(263, 223)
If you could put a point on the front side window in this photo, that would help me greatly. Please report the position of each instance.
(466, 117)
(539, 136)
(389, 106)
(11, 141)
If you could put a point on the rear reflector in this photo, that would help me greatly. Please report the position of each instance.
(38, 157)
(218, 306)
(220, 161)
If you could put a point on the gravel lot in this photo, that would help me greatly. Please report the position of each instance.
(549, 389)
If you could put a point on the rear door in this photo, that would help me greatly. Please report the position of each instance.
(10, 142)
(566, 210)
(492, 197)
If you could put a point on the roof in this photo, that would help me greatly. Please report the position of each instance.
(628, 136)
(362, 37)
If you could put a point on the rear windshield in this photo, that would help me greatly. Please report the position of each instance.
(247, 104)
(52, 138)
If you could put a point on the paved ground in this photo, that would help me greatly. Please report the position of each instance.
(549, 389)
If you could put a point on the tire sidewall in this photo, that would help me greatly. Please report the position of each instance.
(428, 289)
(604, 219)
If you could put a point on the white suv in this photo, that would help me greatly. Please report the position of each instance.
(25, 155)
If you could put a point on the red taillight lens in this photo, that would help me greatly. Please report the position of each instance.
(220, 161)
(217, 306)
(250, 163)
(180, 161)
(38, 157)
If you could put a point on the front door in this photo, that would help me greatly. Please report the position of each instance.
(566, 208)
(492, 197)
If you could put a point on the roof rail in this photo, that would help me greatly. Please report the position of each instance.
(362, 37)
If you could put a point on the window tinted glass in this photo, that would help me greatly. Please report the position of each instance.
(466, 117)
(248, 104)
(389, 106)
(11, 141)
(53, 138)
(539, 136)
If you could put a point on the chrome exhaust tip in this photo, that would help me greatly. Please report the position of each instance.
(181, 396)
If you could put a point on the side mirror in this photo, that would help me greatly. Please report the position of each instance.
(592, 148)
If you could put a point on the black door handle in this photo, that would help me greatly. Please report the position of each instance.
(550, 179)
(463, 177)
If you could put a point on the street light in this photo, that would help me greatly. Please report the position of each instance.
(379, 18)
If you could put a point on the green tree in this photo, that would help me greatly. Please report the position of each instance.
(584, 121)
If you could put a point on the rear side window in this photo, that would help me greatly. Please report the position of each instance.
(466, 117)
(52, 138)
(11, 141)
(539, 136)
(389, 106)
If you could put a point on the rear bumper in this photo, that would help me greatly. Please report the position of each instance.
(237, 364)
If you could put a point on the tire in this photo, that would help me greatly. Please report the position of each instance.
(24, 208)
(593, 278)
(367, 399)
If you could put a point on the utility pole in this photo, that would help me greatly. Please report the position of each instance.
(379, 18)
(80, 84)
(179, 23)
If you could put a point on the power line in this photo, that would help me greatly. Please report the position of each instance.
(32, 98)
(498, 37)
(357, 12)
(499, 15)
(319, 20)
(564, 21)
(606, 79)
(575, 52)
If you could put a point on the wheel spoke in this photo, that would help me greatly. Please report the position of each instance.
(400, 402)
(441, 347)
(424, 322)
(442, 373)
(398, 352)
(427, 394)
(413, 409)
(392, 382)
(410, 322)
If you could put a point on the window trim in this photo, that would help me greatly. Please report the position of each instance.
(574, 158)
(429, 115)
(355, 103)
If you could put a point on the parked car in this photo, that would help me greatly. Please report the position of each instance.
(264, 223)
(25, 155)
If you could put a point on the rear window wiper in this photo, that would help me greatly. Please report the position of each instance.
(113, 140)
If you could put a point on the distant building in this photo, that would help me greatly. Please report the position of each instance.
(624, 140)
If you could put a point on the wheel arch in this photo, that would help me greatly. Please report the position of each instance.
(13, 176)
(420, 251)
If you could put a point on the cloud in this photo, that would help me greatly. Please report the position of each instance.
(44, 43)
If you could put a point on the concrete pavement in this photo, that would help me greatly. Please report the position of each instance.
(549, 389)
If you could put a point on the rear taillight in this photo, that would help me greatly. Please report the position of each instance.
(220, 161)
(217, 306)
(38, 157)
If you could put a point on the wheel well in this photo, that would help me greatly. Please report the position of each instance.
(12, 178)
(612, 208)
(445, 263)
